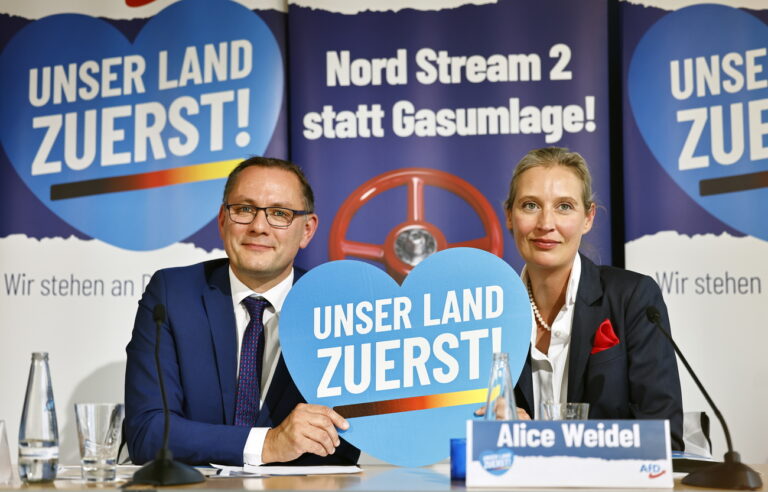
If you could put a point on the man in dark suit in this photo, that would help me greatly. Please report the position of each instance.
(230, 396)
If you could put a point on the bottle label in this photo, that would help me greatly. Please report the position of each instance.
(38, 449)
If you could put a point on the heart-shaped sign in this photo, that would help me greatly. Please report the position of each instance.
(698, 88)
(407, 365)
(498, 461)
(130, 141)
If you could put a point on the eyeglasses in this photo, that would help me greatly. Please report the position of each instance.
(277, 217)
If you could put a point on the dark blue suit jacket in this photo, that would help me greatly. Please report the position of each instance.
(636, 379)
(198, 353)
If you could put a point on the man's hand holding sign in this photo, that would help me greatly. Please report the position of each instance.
(407, 366)
(307, 429)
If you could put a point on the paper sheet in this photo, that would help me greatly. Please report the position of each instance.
(257, 471)
(301, 470)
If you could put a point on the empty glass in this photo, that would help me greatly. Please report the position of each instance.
(5, 456)
(98, 430)
(564, 411)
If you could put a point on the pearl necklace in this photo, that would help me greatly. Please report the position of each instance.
(536, 312)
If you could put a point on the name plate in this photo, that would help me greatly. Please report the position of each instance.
(569, 453)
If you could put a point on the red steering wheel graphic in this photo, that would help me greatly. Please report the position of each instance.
(414, 239)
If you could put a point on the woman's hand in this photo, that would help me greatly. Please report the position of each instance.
(521, 414)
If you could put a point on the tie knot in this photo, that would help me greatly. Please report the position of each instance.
(255, 306)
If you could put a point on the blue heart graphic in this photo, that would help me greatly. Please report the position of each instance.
(497, 462)
(699, 67)
(83, 107)
(433, 339)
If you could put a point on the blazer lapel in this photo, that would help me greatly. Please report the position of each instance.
(217, 299)
(525, 386)
(586, 320)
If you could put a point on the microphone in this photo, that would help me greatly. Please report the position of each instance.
(163, 470)
(731, 473)
(158, 314)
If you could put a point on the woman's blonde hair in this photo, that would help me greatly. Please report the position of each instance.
(548, 157)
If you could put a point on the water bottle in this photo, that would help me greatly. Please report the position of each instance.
(500, 403)
(38, 432)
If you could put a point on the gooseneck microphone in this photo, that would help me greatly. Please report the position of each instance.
(164, 470)
(731, 473)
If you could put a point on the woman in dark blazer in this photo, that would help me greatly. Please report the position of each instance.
(592, 341)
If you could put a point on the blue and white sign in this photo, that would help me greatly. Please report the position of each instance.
(702, 108)
(406, 365)
(466, 89)
(130, 141)
(583, 453)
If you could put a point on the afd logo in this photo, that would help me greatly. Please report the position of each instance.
(653, 470)
(699, 96)
(129, 141)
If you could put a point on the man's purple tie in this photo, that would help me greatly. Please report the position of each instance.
(251, 354)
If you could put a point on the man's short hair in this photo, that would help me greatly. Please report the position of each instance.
(306, 189)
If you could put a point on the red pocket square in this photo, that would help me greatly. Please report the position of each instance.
(605, 338)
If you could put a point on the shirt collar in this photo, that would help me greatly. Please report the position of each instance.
(275, 296)
(573, 280)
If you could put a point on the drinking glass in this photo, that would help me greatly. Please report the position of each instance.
(98, 430)
(5, 456)
(564, 411)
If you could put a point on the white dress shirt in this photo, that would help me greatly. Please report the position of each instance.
(275, 296)
(550, 370)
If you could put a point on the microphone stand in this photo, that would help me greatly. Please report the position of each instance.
(164, 470)
(731, 473)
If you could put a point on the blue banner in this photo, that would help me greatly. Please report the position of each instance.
(402, 117)
(128, 139)
(700, 107)
(695, 113)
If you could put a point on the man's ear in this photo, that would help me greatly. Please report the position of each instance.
(222, 219)
(308, 229)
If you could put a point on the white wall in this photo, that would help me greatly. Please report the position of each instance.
(85, 336)
(724, 336)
